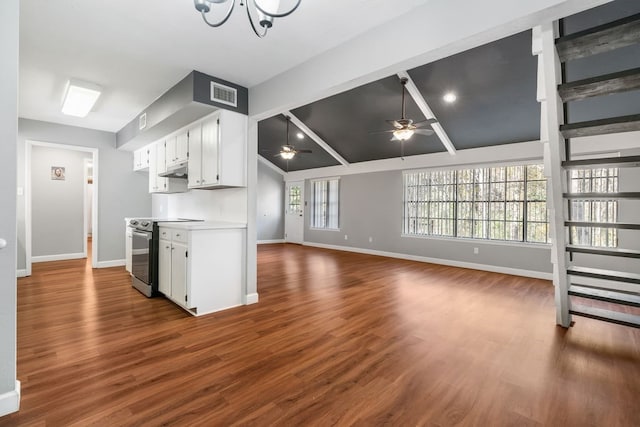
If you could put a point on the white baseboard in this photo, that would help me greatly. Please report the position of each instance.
(21, 273)
(251, 298)
(267, 242)
(10, 401)
(112, 263)
(461, 264)
(58, 257)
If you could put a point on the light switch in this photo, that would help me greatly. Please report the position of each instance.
(20, 191)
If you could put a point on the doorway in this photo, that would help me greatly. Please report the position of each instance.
(294, 212)
(61, 203)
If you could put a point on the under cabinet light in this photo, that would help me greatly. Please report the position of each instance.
(79, 98)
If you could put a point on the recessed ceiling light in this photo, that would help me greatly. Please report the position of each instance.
(449, 97)
(300, 135)
(79, 98)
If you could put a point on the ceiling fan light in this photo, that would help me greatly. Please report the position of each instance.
(287, 155)
(403, 134)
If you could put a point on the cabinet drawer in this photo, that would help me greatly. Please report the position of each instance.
(179, 236)
(165, 234)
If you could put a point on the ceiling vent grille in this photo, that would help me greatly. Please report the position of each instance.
(224, 94)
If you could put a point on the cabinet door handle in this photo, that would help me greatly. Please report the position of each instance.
(166, 247)
(177, 235)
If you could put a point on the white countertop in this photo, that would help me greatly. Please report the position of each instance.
(203, 225)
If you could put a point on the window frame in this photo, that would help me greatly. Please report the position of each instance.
(312, 210)
(483, 169)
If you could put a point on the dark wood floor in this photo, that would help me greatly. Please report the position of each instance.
(337, 339)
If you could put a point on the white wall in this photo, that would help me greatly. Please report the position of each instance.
(229, 204)
(57, 206)
(270, 220)
(9, 36)
(122, 192)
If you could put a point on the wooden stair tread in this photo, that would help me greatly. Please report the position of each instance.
(622, 81)
(625, 253)
(607, 162)
(618, 225)
(605, 295)
(603, 38)
(601, 126)
(598, 273)
(606, 315)
(619, 195)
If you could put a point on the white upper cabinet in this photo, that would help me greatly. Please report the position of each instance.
(141, 159)
(217, 153)
(177, 149)
(158, 165)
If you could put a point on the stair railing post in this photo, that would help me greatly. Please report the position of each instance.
(552, 116)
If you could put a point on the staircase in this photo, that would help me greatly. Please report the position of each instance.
(602, 294)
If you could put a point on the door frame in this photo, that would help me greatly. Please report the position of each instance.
(286, 214)
(29, 144)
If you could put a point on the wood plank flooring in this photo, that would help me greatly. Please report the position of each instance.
(337, 339)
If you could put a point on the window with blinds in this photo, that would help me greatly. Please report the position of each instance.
(325, 203)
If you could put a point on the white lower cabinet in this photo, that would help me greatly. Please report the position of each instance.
(201, 270)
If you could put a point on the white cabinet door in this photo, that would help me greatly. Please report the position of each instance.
(179, 274)
(137, 160)
(210, 147)
(161, 159)
(170, 150)
(153, 171)
(195, 156)
(182, 148)
(164, 267)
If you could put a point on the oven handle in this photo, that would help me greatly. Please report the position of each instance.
(143, 235)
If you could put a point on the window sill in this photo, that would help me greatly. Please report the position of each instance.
(324, 229)
(481, 241)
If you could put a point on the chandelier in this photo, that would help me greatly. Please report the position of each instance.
(263, 11)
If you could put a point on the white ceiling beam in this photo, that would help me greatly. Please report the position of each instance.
(311, 134)
(270, 165)
(426, 111)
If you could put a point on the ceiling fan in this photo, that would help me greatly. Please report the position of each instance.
(288, 151)
(404, 128)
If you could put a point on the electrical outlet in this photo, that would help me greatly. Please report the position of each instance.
(346, 237)
(370, 239)
(476, 251)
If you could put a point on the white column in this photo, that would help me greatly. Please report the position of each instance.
(251, 293)
(9, 36)
(554, 153)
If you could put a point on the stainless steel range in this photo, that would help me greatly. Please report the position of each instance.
(144, 254)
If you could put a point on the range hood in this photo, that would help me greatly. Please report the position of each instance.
(175, 171)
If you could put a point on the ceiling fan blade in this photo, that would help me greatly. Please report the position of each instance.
(425, 123)
(304, 151)
(424, 132)
(394, 123)
(382, 131)
(395, 138)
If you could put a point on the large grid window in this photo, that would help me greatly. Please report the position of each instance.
(325, 203)
(603, 180)
(499, 203)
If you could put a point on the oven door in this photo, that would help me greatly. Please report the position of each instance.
(141, 256)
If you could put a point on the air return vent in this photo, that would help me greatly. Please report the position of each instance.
(224, 94)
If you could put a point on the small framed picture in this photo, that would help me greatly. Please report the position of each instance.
(57, 173)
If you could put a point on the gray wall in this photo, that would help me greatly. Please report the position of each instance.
(121, 192)
(57, 206)
(270, 221)
(9, 36)
(371, 206)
